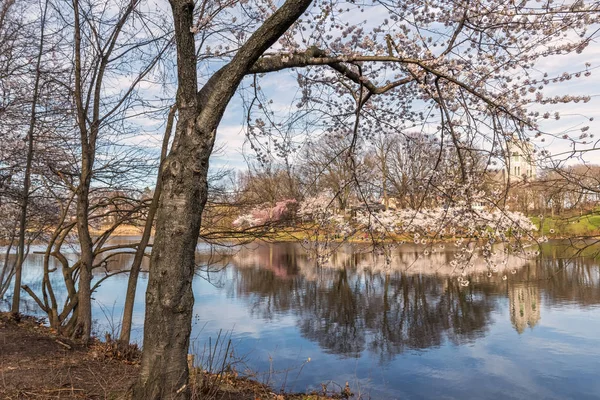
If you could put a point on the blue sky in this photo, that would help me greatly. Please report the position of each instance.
(282, 89)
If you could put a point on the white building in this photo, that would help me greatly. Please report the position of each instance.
(520, 161)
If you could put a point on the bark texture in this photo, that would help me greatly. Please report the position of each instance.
(83, 315)
(169, 297)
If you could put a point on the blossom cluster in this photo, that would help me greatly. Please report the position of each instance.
(265, 214)
(475, 232)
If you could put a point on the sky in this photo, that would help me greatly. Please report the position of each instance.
(282, 88)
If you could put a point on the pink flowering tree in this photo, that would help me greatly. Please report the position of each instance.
(283, 211)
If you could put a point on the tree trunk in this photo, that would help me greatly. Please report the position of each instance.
(139, 254)
(7, 272)
(169, 297)
(83, 328)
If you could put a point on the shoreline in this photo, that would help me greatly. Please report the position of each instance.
(37, 362)
(289, 238)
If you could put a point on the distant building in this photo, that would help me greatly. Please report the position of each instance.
(520, 161)
(519, 164)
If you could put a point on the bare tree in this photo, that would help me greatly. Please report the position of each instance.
(28, 165)
(101, 44)
(143, 244)
(24, 86)
(336, 164)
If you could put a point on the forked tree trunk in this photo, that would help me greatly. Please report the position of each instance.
(169, 297)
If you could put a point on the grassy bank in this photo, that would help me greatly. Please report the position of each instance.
(569, 226)
(35, 363)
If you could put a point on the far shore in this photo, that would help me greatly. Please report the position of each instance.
(580, 227)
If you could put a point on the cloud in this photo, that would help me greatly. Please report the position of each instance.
(229, 144)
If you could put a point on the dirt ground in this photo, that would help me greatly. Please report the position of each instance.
(35, 363)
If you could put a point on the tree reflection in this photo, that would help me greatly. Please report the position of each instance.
(331, 315)
(347, 311)
(353, 305)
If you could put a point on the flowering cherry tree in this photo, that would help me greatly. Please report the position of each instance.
(283, 210)
(473, 231)
(459, 69)
(323, 229)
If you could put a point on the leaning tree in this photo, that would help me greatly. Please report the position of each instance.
(460, 68)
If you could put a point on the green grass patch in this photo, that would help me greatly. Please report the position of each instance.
(578, 225)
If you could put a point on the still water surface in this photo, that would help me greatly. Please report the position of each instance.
(404, 331)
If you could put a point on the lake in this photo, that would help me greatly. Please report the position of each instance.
(404, 330)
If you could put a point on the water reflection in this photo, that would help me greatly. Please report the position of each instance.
(411, 321)
(417, 302)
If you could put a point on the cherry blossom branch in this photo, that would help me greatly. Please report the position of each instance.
(316, 57)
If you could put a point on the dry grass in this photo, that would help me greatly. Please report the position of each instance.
(35, 363)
